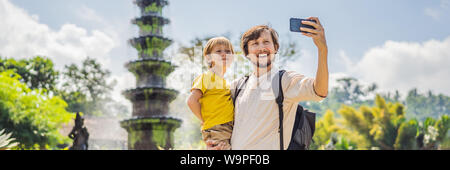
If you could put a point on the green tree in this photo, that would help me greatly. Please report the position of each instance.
(432, 134)
(383, 126)
(351, 93)
(348, 91)
(325, 127)
(378, 125)
(406, 136)
(87, 90)
(89, 79)
(332, 134)
(426, 105)
(37, 72)
(33, 116)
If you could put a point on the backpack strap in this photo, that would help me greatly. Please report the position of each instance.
(239, 85)
(278, 91)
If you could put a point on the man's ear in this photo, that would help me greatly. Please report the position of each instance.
(247, 56)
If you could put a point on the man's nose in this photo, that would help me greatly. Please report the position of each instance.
(262, 48)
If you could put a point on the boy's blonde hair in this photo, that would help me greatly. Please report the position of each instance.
(207, 50)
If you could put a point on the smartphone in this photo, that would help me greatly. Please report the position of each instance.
(296, 23)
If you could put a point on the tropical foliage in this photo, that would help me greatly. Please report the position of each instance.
(33, 116)
(36, 73)
(36, 100)
(383, 126)
(6, 141)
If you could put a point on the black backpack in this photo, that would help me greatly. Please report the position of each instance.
(304, 125)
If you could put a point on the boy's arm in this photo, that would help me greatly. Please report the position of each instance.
(194, 103)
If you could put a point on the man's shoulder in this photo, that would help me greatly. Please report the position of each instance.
(235, 82)
(291, 75)
(292, 72)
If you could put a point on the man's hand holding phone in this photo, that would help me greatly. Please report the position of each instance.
(310, 27)
(317, 33)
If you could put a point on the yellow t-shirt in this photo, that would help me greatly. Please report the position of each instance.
(216, 103)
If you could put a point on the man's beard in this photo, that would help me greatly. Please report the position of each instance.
(266, 64)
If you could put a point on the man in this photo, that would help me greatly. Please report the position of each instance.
(256, 112)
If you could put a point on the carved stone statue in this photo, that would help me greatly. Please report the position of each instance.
(79, 134)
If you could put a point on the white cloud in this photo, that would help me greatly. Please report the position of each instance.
(345, 60)
(433, 13)
(438, 12)
(23, 36)
(406, 65)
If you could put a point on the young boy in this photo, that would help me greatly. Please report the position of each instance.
(210, 98)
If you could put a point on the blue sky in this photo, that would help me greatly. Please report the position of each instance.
(352, 25)
(360, 33)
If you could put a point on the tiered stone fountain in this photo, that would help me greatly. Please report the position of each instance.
(150, 127)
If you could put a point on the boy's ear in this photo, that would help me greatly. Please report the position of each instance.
(208, 60)
(208, 57)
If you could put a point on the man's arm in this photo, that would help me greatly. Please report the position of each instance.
(318, 35)
(321, 81)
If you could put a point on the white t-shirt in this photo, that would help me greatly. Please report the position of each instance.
(256, 116)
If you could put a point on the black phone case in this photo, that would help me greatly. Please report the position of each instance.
(296, 23)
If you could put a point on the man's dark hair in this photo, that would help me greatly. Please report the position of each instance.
(254, 33)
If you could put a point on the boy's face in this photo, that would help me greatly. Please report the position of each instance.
(221, 55)
(261, 51)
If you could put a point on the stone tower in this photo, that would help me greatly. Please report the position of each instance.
(150, 127)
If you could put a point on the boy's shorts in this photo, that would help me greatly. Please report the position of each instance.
(220, 133)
